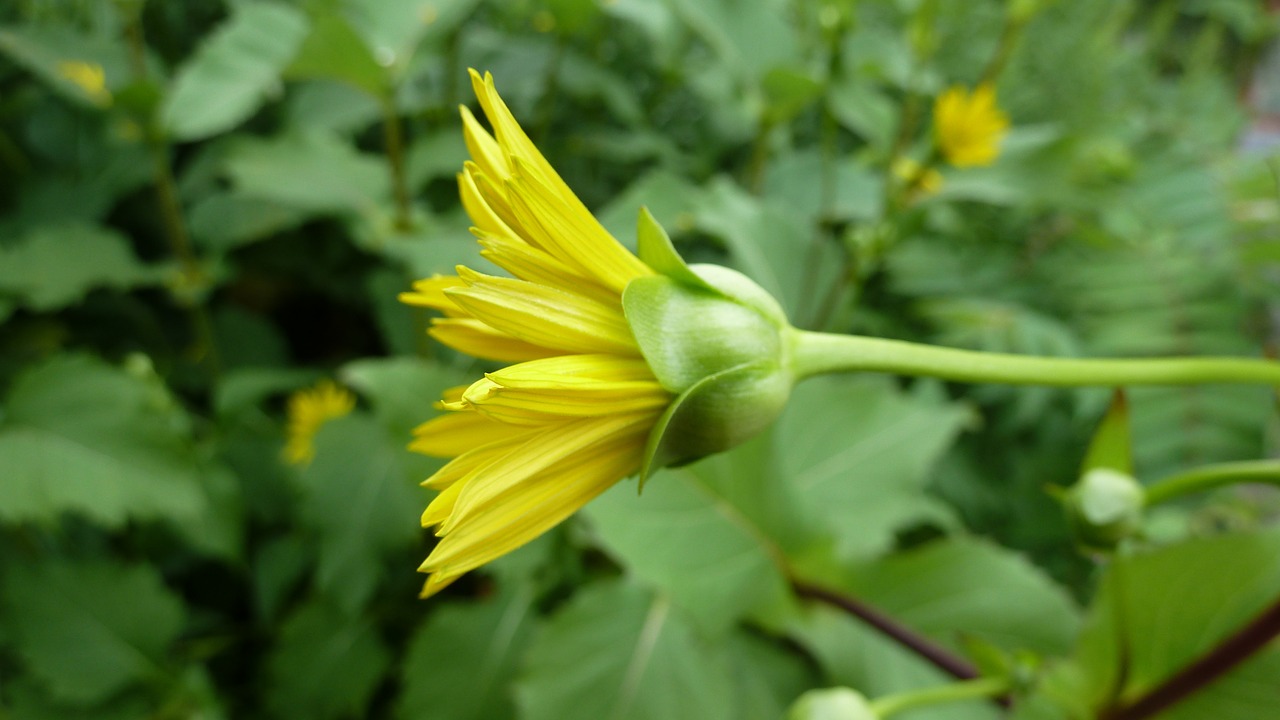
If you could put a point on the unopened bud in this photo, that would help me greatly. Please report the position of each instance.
(831, 704)
(1105, 508)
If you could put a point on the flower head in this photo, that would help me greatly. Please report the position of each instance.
(535, 441)
(308, 411)
(582, 407)
(969, 126)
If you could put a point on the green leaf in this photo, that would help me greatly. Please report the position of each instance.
(850, 653)
(311, 172)
(768, 675)
(223, 221)
(864, 109)
(362, 502)
(325, 665)
(47, 50)
(402, 389)
(393, 29)
(89, 630)
(1136, 638)
(483, 642)
(669, 196)
(860, 454)
(84, 437)
(645, 662)
(771, 245)
(56, 265)
(685, 538)
(991, 593)
(333, 51)
(233, 71)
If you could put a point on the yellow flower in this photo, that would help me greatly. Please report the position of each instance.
(89, 77)
(969, 127)
(535, 441)
(308, 410)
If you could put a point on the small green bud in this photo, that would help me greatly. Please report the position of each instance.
(720, 345)
(1105, 507)
(838, 703)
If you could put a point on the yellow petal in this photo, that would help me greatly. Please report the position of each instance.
(533, 507)
(491, 216)
(455, 433)
(529, 263)
(564, 228)
(429, 293)
(566, 444)
(544, 316)
(477, 339)
(440, 508)
(484, 150)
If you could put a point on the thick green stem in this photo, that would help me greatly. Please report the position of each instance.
(1209, 477)
(820, 353)
(979, 689)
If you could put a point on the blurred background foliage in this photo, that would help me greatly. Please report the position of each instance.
(207, 206)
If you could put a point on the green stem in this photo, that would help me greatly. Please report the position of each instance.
(818, 353)
(979, 689)
(393, 138)
(1209, 477)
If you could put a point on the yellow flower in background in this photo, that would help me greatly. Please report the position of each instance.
(308, 410)
(89, 77)
(534, 442)
(969, 126)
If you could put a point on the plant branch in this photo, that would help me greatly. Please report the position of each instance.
(936, 655)
(1209, 477)
(1203, 671)
(820, 353)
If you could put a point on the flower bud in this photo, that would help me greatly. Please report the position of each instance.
(714, 339)
(1104, 508)
(720, 349)
(838, 703)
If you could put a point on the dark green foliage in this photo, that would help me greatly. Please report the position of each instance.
(206, 206)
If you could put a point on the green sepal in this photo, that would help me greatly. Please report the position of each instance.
(687, 334)
(657, 251)
(1112, 444)
(1105, 505)
(716, 413)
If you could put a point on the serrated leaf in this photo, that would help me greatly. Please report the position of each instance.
(89, 630)
(55, 265)
(362, 502)
(646, 663)
(81, 436)
(859, 453)
(483, 642)
(314, 172)
(232, 72)
(325, 664)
